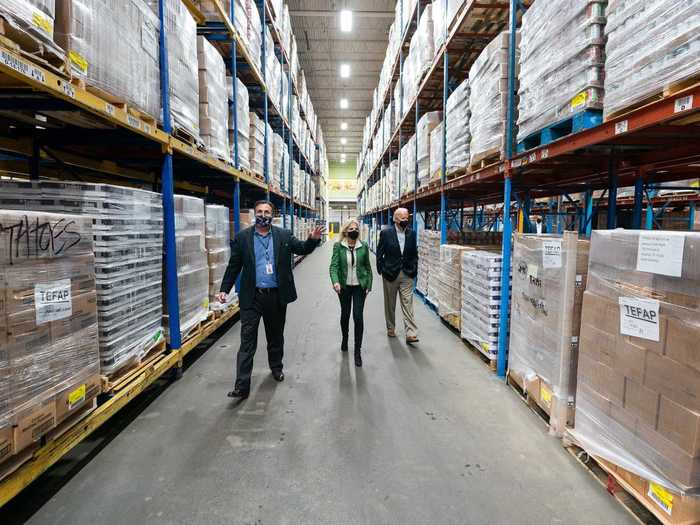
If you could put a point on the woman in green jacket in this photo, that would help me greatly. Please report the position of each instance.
(351, 275)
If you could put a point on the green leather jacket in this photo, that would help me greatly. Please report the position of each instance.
(339, 265)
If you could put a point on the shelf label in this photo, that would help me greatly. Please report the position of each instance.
(639, 317)
(68, 90)
(147, 128)
(53, 301)
(545, 153)
(19, 65)
(551, 253)
(109, 108)
(661, 497)
(579, 100)
(533, 157)
(133, 121)
(621, 127)
(683, 104)
(661, 253)
(76, 397)
(546, 396)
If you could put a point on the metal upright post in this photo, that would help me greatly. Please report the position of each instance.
(290, 148)
(168, 195)
(234, 74)
(474, 219)
(638, 202)
(443, 175)
(415, 177)
(649, 222)
(587, 225)
(691, 216)
(612, 193)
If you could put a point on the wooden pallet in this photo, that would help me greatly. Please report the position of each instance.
(187, 137)
(485, 159)
(118, 381)
(533, 402)
(41, 53)
(200, 327)
(670, 90)
(488, 360)
(11, 464)
(114, 100)
(454, 321)
(633, 492)
(575, 123)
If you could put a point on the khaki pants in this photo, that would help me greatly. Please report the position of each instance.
(403, 285)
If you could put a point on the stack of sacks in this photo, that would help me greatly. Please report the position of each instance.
(650, 45)
(638, 385)
(49, 363)
(426, 125)
(213, 99)
(481, 300)
(257, 144)
(218, 246)
(114, 48)
(449, 282)
(555, 85)
(488, 100)
(428, 247)
(242, 122)
(548, 285)
(181, 32)
(436, 152)
(458, 134)
(408, 166)
(192, 267)
(128, 243)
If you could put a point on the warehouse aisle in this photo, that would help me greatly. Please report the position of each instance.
(417, 436)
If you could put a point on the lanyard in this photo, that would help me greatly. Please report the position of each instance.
(266, 246)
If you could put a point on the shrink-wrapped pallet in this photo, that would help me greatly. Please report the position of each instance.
(638, 385)
(33, 19)
(650, 46)
(113, 47)
(254, 34)
(436, 141)
(426, 125)
(128, 243)
(218, 247)
(192, 267)
(257, 144)
(181, 33)
(408, 166)
(458, 132)
(449, 282)
(48, 322)
(242, 123)
(488, 100)
(548, 285)
(428, 247)
(213, 99)
(481, 300)
(562, 57)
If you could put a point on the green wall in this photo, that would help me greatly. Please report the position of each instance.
(342, 171)
(342, 181)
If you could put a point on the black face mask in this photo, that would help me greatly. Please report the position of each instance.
(354, 234)
(403, 224)
(263, 221)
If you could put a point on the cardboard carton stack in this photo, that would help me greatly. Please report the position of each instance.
(34, 19)
(257, 144)
(548, 284)
(426, 125)
(481, 300)
(449, 283)
(192, 267)
(113, 47)
(562, 58)
(638, 387)
(488, 100)
(242, 123)
(49, 358)
(428, 260)
(650, 45)
(458, 132)
(213, 99)
(218, 246)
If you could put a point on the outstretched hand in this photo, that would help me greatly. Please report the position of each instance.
(316, 233)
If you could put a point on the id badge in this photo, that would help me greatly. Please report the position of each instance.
(268, 269)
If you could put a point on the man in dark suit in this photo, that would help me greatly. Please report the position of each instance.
(397, 263)
(262, 254)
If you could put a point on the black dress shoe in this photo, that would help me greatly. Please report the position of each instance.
(239, 394)
(279, 376)
(344, 345)
(358, 359)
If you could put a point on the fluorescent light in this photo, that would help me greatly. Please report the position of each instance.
(344, 103)
(342, 160)
(346, 20)
(344, 70)
(343, 126)
(343, 141)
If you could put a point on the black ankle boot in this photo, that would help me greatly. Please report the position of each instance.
(344, 345)
(358, 357)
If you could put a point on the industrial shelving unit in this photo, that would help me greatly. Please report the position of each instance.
(87, 138)
(650, 145)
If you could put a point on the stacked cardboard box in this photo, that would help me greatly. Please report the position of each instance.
(218, 244)
(257, 144)
(436, 141)
(481, 299)
(449, 282)
(49, 358)
(548, 284)
(254, 33)
(638, 387)
(128, 239)
(242, 123)
(428, 259)
(34, 19)
(488, 100)
(458, 133)
(192, 267)
(113, 46)
(426, 125)
(181, 32)
(408, 166)
(213, 99)
(562, 58)
(650, 45)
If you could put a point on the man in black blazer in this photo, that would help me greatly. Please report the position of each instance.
(397, 263)
(262, 255)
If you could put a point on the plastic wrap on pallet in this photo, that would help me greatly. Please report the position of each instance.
(428, 259)
(408, 166)
(242, 109)
(637, 402)
(257, 144)
(128, 241)
(218, 247)
(650, 46)
(554, 86)
(181, 32)
(449, 280)
(213, 99)
(458, 131)
(488, 99)
(426, 125)
(548, 285)
(192, 267)
(48, 320)
(114, 48)
(254, 34)
(435, 153)
(34, 18)
(481, 299)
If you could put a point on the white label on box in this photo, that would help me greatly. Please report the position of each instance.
(683, 104)
(551, 253)
(53, 301)
(661, 253)
(532, 270)
(621, 127)
(639, 317)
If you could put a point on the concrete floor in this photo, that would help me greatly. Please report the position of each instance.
(424, 435)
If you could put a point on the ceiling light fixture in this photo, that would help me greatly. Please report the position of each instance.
(344, 103)
(343, 141)
(346, 20)
(344, 70)
(343, 126)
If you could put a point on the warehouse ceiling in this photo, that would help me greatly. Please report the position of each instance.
(323, 47)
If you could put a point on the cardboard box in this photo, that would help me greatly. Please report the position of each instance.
(71, 399)
(32, 423)
(641, 402)
(680, 425)
(5, 442)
